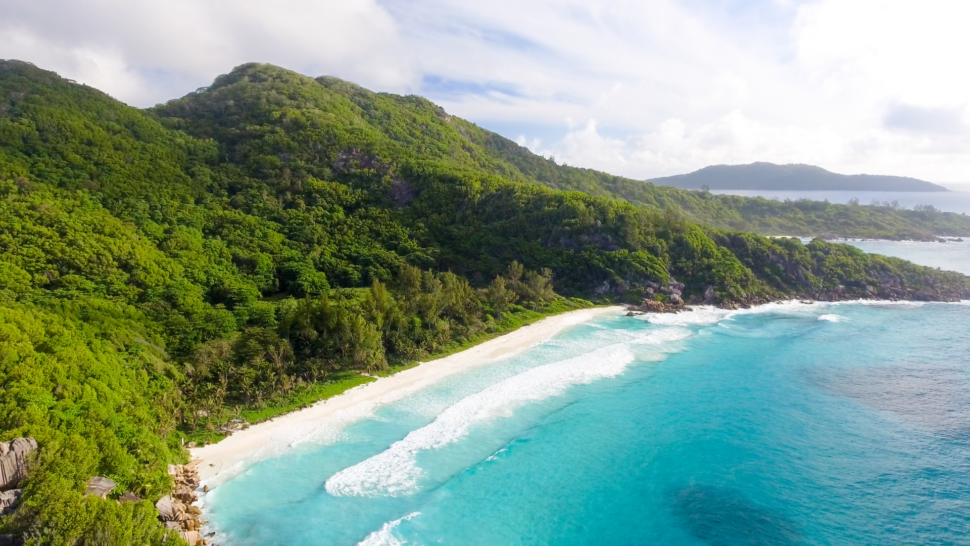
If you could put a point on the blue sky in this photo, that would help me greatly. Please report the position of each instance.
(640, 88)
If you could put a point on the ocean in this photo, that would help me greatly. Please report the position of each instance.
(951, 256)
(785, 424)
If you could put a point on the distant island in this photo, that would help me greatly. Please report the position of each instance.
(792, 177)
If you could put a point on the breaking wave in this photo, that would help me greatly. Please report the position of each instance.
(395, 472)
(385, 535)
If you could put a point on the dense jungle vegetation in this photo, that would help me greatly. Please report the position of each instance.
(263, 242)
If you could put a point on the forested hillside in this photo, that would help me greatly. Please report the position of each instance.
(260, 243)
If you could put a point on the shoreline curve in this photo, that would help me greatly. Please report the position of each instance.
(223, 460)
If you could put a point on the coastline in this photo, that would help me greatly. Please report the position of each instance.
(223, 460)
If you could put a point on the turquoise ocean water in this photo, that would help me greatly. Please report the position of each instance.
(787, 424)
(952, 255)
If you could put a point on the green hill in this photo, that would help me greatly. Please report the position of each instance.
(256, 245)
(795, 177)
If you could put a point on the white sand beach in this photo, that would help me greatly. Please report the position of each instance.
(220, 461)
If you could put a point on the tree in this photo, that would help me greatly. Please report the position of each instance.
(539, 287)
(499, 296)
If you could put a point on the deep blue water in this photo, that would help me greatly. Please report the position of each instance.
(790, 424)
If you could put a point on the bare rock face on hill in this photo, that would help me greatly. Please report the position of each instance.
(13, 461)
(13, 469)
(9, 500)
(100, 486)
(10, 540)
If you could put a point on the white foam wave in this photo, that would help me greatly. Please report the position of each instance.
(395, 472)
(700, 316)
(326, 431)
(882, 303)
(704, 315)
(637, 336)
(831, 318)
(385, 536)
(665, 335)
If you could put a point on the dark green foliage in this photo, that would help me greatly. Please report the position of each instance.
(252, 246)
(90, 385)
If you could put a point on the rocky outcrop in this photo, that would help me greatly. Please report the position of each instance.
(175, 510)
(10, 540)
(13, 461)
(100, 486)
(664, 298)
(129, 497)
(708, 296)
(654, 306)
(234, 425)
(9, 500)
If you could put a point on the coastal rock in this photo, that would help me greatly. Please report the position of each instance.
(100, 486)
(185, 494)
(602, 289)
(193, 538)
(234, 425)
(709, 295)
(129, 497)
(13, 460)
(9, 501)
(654, 306)
(175, 510)
(10, 540)
(169, 509)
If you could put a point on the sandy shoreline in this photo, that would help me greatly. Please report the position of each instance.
(225, 459)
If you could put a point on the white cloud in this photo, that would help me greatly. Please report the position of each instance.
(643, 89)
(911, 52)
(880, 90)
(145, 52)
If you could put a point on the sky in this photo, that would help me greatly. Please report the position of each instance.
(642, 89)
